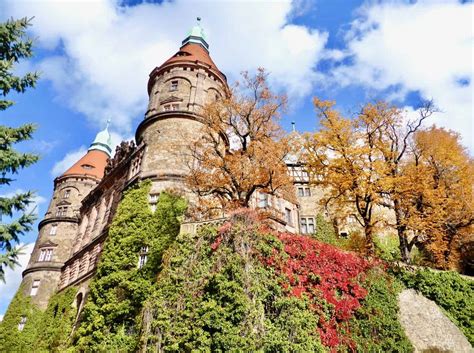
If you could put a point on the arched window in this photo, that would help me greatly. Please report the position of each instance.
(79, 298)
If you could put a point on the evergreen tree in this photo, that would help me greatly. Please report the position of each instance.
(14, 46)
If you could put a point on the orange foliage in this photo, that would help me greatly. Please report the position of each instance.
(242, 148)
(358, 162)
(442, 203)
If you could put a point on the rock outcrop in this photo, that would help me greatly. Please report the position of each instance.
(428, 329)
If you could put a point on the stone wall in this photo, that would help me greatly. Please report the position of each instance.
(56, 235)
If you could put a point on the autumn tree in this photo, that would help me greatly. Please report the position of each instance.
(442, 200)
(242, 148)
(343, 159)
(14, 46)
(393, 131)
(359, 161)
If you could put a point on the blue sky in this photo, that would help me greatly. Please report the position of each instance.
(95, 57)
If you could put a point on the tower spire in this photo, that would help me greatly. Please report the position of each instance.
(103, 141)
(196, 35)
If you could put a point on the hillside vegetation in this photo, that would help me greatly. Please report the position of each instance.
(235, 287)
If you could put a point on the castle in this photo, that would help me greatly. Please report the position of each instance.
(85, 197)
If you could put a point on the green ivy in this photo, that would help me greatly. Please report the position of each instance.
(11, 339)
(110, 316)
(324, 231)
(453, 293)
(57, 322)
(375, 326)
(215, 294)
(46, 331)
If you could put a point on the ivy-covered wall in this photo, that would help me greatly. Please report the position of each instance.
(47, 331)
(10, 336)
(110, 318)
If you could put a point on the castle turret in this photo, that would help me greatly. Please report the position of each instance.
(59, 226)
(177, 90)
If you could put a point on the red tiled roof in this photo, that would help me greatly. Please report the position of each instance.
(192, 52)
(92, 164)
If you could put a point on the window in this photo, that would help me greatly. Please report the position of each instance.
(53, 229)
(143, 256)
(153, 200)
(83, 263)
(262, 200)
(34, 287)
(288, 216)
(66, 194)
(307, 225)
(304, 191)
(46, 255)
(61, 211)
(174, 86)
(21, 324)
(171, 107)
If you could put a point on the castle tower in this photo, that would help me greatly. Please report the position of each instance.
(177, 90)
(58, 228)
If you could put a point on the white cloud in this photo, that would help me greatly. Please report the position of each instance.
(424, 46)
(107, 51)
(13, 277)
(69, 159)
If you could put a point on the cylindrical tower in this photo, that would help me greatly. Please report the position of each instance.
(177, 89)
(59, 226)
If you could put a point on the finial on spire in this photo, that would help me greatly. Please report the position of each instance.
(108, 124)
(196, 35)
(293, 126)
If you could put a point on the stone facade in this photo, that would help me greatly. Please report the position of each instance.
(56, 234)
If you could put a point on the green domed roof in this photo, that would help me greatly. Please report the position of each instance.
(196, 35)
(103, 141)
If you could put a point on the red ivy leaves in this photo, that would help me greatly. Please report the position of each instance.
(321, 271)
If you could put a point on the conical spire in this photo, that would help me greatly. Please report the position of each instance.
(94, 161)
(103, 141)
(196, 35)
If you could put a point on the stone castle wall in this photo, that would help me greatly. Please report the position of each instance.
(55, 238)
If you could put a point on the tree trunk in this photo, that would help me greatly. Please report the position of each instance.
(369, 241)
(404, 245)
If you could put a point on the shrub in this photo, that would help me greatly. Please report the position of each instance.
(215, 293)
(387, 247)
(375, 326)
(328, 277)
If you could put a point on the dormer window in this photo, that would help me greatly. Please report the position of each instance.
(174, 86)
(87, 166)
